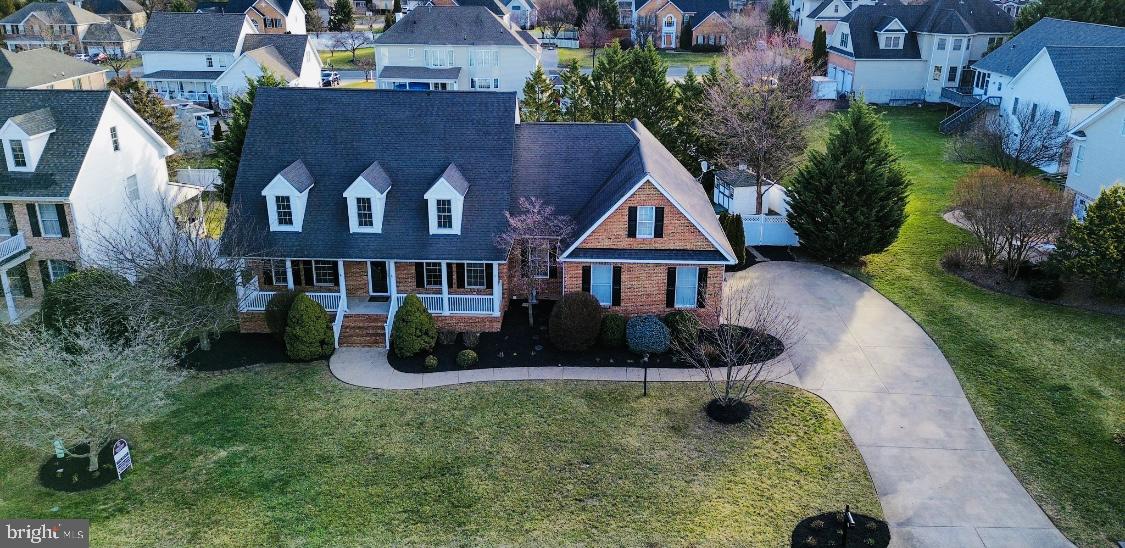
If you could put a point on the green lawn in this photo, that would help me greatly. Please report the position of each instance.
(342, 60)
(290, 456)
(370, 84)
(1046, 381)
(673, 58)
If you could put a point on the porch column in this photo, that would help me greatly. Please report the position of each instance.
(497, 291)
(444, 291)
(13, 317)
(343, 288)
(289, 274)
(392, 280)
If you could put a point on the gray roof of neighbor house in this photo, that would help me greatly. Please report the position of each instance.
(63, 12)
(495, 6)
(1010, 58)
(450, 25)
(75, 116)
(290, 48)
(39, 66)
(183, 75)
(109, 33)
(1089, 75)
(421, 73)
(112, 7)
(933, 17)
(238, 6)
(199, 32)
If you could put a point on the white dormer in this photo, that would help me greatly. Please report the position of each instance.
(286, 197)
(891, 33)
(446, 200)
(24, 138)
(367, 199)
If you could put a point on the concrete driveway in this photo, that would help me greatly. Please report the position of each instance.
(939, 479)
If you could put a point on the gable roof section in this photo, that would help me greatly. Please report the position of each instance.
(454, 26)
(933, 17)
(815, 13)
(495, 6)
(1089, 75)
(109, 33)
(1011, 57)
(35, 122)
(696, 21)
(290, 48)
(63, 12)
(198, 32)
(377, 177)
(112, 7)
(455, 179)
(298, 176)
(39, 66)
(1079, 132)
(76, 115)
(238, 6)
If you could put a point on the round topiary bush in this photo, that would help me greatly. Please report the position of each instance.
(77, 299)
(431, 362)
(414, 330)
(683, 326)
(647, 335)
(471, 338)
(612, 334)
(575, 322)
(277, 312)
(467, 359)
(309, 333)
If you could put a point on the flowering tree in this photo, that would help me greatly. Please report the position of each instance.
(594, 32)
(556, 14)
(537, 233)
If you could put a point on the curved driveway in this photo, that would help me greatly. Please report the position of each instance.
(940, 481)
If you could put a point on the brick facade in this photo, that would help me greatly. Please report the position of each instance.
(679, 231)
(713, 31)
(643, 289)
(650, 25)
(264, 10)
(42, 249)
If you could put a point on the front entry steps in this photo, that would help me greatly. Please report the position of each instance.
(364, 330)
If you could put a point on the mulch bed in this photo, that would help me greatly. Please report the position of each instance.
(1077, 294)
(728, 414)
(827, 529)
(518, 344)
(70, 474)
(234, 350)
(776, 252)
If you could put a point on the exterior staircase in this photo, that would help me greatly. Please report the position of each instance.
(963, 117)
(364, 330)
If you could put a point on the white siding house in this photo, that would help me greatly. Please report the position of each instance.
(1097, 161)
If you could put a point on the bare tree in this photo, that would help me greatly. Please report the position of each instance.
(81, 384)
(747, 350)
(537, 233)
(594, 31)
(366, 64)
(748, 26)
(1017, 142)
(353, 40)
(556, 14)
(117, 63)
(761, 116)
(1009, 215)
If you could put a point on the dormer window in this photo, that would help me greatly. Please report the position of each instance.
(892, 41)
(364, 216)
(446, 200)
(445, 214)
(284, 208)
(367, 198)
(286, 196)
(19, 159)
(24, 137)
(844, 39)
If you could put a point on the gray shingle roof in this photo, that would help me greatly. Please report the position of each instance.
(62, 12)
(238, 6)
(298, 176)
(935, 17)
(35, 67)
(1089, 75)
(112, 7)
(421, 73)
(444, 25)
(200, 32)
(35, 122)
(453, 176)
(669, 255)
(109, 33)
(377, 177)
(1010, 58)
(495, 6)
(291, 47)
(76, 115)
(183, 75)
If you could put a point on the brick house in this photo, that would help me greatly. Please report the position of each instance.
(266, 16)
(72, 159)
(663, 21)
(360, 224)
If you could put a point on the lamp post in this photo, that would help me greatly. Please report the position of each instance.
(644, 361)
(849, 522)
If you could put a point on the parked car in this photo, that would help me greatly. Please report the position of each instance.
(99, 58)
(82, 57)
(329, 78)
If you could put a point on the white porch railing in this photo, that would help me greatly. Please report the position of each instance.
(388, 326)
(338, 324)
(254, 300)
(12, 245)
(454, 304)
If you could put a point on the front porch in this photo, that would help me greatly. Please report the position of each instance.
(14, 252)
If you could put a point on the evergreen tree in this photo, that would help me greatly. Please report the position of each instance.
(819, 50)
(685, 35)
(540, 99)
(850, 200)
(575, 94)
(397, 7)
(688, 143)
(1094, 249)
(779, 16)
(651, 99)
(229, 151)
(389, 20)
(217, 133)
(181, 6)
(1106, 12)
(341, 18)
(610, 85)
(313, 21)
(149, 106)
(7, 7)
(607, 7)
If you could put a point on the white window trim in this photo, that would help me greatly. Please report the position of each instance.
(114, 139)
(1079, 153)
(370, 212)
(277, 210)
(607, 270)
(51, 269)
(43, 228)
(316, 281)
(279, 272)
(544, 271)
(440, 216)
(426, 275)
(694, 290)
(650, 224)
(483, 276)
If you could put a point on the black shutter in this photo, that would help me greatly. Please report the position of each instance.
(45, 274)
(616, 286)
(701, 294)
(419, 275)
(10, 213)
(63, 228)
(632, 221)
(670, 289)
(450, 279)
(658, 225)
(267, 273)
(33, 216)
(25, 282)
(586, 278)
(488, 275)
(307, 271)
(553, 262)
(461, 275)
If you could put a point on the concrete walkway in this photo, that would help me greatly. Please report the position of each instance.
(940, 481)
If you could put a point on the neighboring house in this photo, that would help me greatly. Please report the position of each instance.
(810, 14)
(72, 160)
(123, 13)
(1012, 7)
(45, 68)
(205, 57)
(663, 21)
(66, 28)
(498, 7)
(625, 9)
(736, 191)
(360, 224)
(523, 13)
(455, 48)
(266, 16)
(1098, 158)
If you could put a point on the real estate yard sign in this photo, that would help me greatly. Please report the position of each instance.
(122, 458)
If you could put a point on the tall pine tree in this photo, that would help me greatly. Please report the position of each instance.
(540, 101)
(610, 86)
(228, 152)
(652, 99)
(576, 94)
(820, 51)
(685, 35)
(779, 17)
(850, 200)
(342, 17)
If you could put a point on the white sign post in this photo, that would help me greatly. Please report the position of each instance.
(122, 458)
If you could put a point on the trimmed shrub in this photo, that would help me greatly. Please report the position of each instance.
(414, 330)
(960, 258)
(74, 299)
(431, 362)
(471, 338)
(1047, 288)
(647, 335)
(467, 359)
(612, 334)
(309, 333)
(683, 326)
(277, 312)
(575, 321)
(446, 336)
(736, 234)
